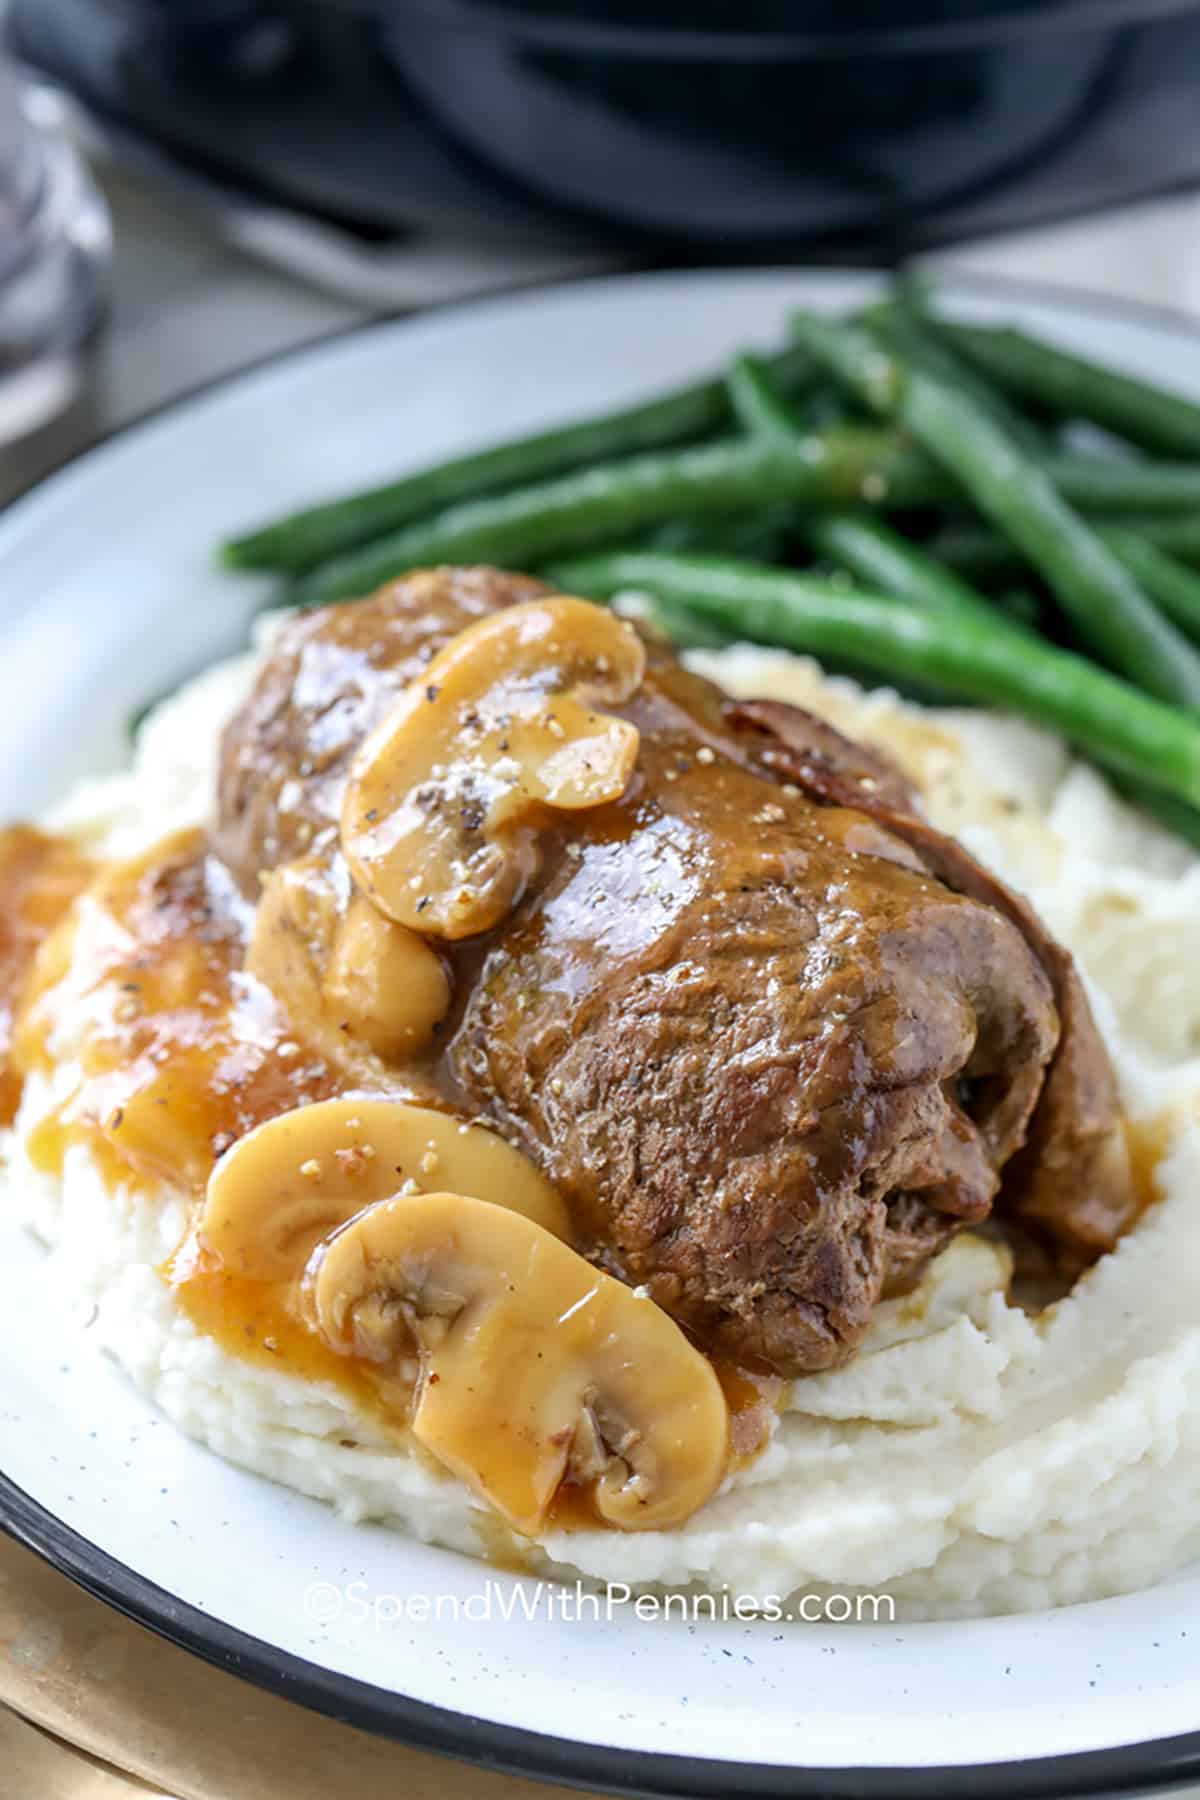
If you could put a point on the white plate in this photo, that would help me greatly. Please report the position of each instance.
(108, 594)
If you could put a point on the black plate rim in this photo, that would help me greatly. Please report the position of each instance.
(641, 1775)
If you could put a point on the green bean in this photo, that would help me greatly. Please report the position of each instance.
(903, 325)
(977, 553)
(765, 408)
(1106, 484)
(1173, 587)
(1107, 718)
(1175, 537)
(1106, 605)
(303, 539)
(761, 536)
(758, 403)
(1021, 605)
(854, 541)
(821, 406)
(673, 619)
(1093, 483)
(1074, 388)
(893, 564)
(615, 499)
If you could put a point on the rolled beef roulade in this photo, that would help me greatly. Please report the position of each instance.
(773, 1038)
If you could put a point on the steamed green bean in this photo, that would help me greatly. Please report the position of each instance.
(313, 535)
(1121, 727)
(1108, 608)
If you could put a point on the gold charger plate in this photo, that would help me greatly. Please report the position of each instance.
(102, 1709)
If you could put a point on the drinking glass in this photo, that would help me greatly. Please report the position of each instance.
(54, 249)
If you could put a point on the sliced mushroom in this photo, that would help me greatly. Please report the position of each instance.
(385, 982)
(298, 914)
(444, 800)
(347, 976)
(536, 1367)
(290, 1182)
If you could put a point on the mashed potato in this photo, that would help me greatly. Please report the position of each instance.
(972, 1458)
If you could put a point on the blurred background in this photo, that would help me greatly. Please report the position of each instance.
(277, 169)
(849, 128)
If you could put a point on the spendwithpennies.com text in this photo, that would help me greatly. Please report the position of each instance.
(497, 1602)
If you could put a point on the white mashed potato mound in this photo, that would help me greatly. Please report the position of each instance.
(970, 1458)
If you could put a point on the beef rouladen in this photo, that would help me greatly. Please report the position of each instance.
(772, 1037)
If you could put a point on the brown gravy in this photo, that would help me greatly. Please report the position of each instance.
(39, 877)
(181, 1052)
(1148, 1140)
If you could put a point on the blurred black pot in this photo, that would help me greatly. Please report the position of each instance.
(730, 127)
